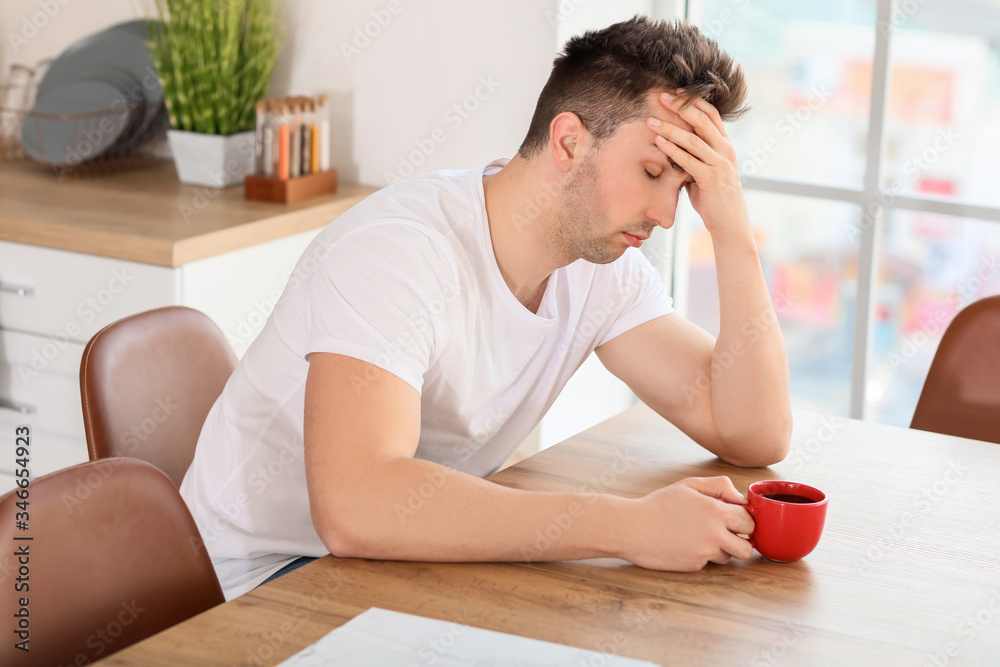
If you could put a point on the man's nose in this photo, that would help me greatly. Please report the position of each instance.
(666, 222)
(663, 212)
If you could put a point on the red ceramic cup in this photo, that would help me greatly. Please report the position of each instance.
(789, 519)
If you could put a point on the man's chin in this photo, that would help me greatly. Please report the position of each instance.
(606, 255)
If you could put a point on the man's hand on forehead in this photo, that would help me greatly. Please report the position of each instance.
(690, 133)
(666, 114)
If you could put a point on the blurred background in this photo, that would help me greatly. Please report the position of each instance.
(864, 295)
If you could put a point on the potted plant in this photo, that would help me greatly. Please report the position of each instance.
(214, 59)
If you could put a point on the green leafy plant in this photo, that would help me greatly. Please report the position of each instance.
(214, 59)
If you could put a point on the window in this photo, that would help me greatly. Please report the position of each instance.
(810, 266)
(869, 163)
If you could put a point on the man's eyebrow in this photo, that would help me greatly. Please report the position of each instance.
(656, 152)
(674, 165)
(670, 160)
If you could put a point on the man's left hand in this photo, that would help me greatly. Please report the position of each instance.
(708, 156)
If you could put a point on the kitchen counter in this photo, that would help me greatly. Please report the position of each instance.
(148, 216)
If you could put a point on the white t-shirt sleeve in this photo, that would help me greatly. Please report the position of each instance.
(380, 295)
(643, 296)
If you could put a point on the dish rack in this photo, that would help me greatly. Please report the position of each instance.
(84, 127)
(17, 95)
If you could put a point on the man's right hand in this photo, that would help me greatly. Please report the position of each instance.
(684, 526)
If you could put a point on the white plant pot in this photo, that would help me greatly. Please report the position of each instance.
(212, 159)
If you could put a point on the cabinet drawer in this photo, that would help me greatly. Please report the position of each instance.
(31, 355)
(52, 401)
(71, 296)
(49, 452)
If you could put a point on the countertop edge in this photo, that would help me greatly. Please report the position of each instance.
(283, 225)
(175, 253)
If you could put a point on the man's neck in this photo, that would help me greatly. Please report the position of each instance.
(520, 206)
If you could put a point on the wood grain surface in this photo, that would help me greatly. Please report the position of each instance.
(907, 571)
(149, 216)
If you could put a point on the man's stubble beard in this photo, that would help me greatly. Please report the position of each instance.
(580, 227)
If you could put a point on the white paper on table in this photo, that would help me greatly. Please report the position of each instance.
(393, 639)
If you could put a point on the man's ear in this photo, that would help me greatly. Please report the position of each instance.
(567, 135)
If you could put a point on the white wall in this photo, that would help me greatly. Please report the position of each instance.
(576, 16)
(427, 58)
(36, 29)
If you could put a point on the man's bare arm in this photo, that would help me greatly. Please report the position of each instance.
(668, 363)
(361, 430)
(731, 394)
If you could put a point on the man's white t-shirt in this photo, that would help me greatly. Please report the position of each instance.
(407, 281)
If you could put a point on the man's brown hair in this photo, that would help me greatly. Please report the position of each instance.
(604, 76)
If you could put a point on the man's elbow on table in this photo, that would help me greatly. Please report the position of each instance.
(760, 445)
(341, 524)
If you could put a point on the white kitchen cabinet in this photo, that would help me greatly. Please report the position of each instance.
(53, 301)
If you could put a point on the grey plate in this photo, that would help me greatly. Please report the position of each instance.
(121, 46)
(114, 54)
(155, 116)
(71, 141)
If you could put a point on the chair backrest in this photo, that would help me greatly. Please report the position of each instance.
(111, 556)
(148, 382)
(961, 395)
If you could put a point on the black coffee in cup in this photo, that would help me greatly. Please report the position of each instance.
(788, 498)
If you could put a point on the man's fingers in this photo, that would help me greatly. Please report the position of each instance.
(738, 520)
(733, 546)
(689, 141)
(712, 113)
(703, 117)
(701, 114)
(722, 558)
(737, 547)
(684, 160)
(720, 487)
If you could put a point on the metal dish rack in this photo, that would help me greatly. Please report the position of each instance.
(132, 154)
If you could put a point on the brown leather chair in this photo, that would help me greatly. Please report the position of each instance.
(147, 383)
(114, 557)
(961, 395)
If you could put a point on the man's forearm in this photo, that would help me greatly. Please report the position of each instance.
(413, 509)
(750, 365)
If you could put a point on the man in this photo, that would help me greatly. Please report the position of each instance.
(426, 332)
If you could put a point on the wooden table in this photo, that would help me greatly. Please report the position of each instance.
(907, 571)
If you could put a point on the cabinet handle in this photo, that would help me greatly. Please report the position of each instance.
(22, 408)
(20, 290)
